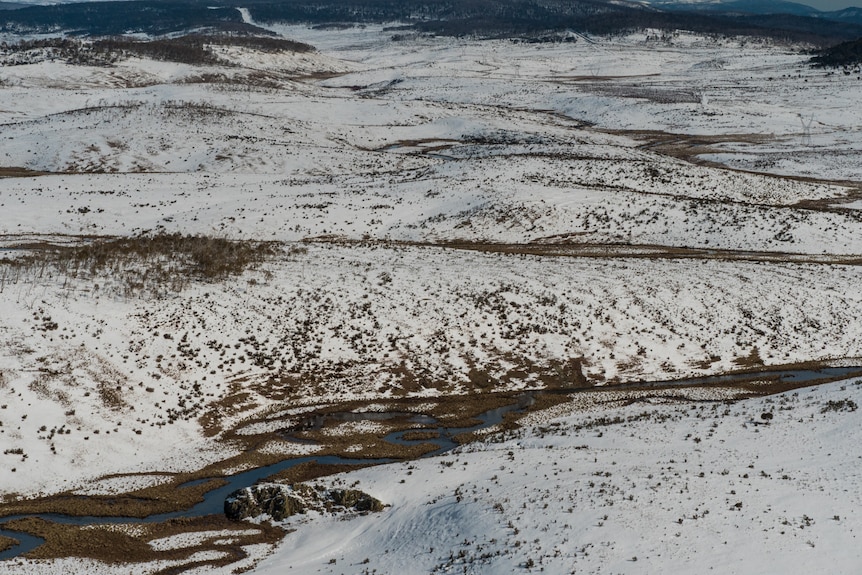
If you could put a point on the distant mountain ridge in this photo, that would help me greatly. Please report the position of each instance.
(852, 14)
(484, 18)
(742, 6)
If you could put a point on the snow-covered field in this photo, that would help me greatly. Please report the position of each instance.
(376, 161)
(344, 321)
(603, 486)
(641, 488)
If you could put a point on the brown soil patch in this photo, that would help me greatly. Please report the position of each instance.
(752, 383)
(597, 78)
(751, 360)
(422, 143)
(371, 446)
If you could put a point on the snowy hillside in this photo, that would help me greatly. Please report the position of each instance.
(204, 266)
(657, 486)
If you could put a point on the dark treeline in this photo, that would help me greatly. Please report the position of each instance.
(846, 54)
(505, 18)
(484, 18)
(114, 18)
(189, 49)
(194, 48)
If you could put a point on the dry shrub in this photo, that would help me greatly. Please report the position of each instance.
(151, 264)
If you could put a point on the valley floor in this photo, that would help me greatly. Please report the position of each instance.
(428, 219)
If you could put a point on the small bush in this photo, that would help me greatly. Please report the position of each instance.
(839, 405)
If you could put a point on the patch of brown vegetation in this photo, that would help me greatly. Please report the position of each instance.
(691, 148)
(20, 173)
(311, 470)
(771, 386)
(705, 363)
(461, 411)
(237, 400)
(7, 543)
(115, 544)
(569, 245)
(439, 144)
(419, 435)
(751, 360)
(370, 446)
(146, 264)
(757, 382)
(141, 503)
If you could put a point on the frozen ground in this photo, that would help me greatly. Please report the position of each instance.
(643, 488)
(113, 374)
(368, 158)
(604, 486)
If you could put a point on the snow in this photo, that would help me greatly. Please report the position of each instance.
(122, 484)
(677, 488)
(369, 159)
(184, 540)
(350, 428)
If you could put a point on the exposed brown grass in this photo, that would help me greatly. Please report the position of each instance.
(188, 49)
(370, 446)
(569, 245)
(305, 472)
(752, 360)
(151, 500)
(19, 173)
(419, 435)
(202, 256)
(7, 542)
(756, 381)
(114, 544)
(147, 265)
(691, 148)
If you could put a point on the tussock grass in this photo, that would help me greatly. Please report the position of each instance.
(113, 544)
(7, 542)
(143, 265)
(165, 498)
(305, 472)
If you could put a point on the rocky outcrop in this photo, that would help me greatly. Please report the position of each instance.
(280, 501)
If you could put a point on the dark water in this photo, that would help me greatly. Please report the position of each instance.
(213, 502)
(26, 542)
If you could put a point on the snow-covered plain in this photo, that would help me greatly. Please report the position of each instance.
(651, 487)
(367, 158)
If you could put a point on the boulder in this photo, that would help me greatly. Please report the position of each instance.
(281, 501)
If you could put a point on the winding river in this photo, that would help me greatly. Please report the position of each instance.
(213, 502)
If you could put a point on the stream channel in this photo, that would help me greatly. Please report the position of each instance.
(213, 502)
